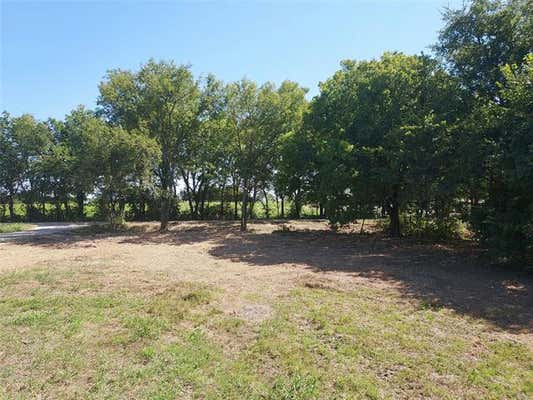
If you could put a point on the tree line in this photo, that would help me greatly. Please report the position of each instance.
(427, 141)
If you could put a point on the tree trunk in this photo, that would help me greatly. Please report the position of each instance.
(244, 213)
(252, 204)
(235, 202)
(142, 206)
(11, 208)
(282, 206)
(80, 199)
(166, 182)
(297, 206)
(142, 210)
(222, 201)
(58, 209)
(165, 210)
(188, 190)
(67, 209)
(267, 208)
(164, 213)
(122, 208)
(394, 213)
(3, 212)
(29, 211)
(140, 198)
(395, 222)
(203, 199)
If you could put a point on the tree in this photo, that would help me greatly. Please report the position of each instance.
(242, 98)
(161, 99)
(52, 174)
(79, 134)
(505, 220)
(294, 153)
(203, 159)
(258, 118)
(24, 141)
(487, 44)
(120, 156)
(372, 117)
(10, 167)
(481, 37)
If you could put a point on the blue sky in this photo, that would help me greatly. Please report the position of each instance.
(53, 54)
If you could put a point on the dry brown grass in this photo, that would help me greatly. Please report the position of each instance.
(249, 302)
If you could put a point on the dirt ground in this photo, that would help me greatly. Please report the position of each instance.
(270, 260)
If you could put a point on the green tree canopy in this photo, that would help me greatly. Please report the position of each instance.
(385, 124)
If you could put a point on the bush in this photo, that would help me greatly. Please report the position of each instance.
(506, 231)
(433, 229)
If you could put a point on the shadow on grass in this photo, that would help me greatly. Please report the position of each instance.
(450, 276)
(439, 276)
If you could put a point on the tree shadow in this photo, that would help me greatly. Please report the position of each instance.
(183, 233)
(179, 233)
(439, 276)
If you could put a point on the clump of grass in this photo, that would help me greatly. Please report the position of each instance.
(229, 324)
(295, 387)
(198, 296)
(144, 326)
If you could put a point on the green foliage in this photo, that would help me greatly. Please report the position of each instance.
(259, 118)
(294, 156)
(483, 35)
(505, 220)
(160, 100)
(431, 229)
(24, 141)
(488, 46)
(393, 143)
(120, 158)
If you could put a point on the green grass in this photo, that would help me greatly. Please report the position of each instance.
(50, 210)
(183, 207)
(64, 333)
(13, 227)
(258, 211)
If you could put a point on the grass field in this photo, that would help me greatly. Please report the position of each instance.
(205, 312)
(183, 210)
(13, 227)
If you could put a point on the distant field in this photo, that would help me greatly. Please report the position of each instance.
(288, 311)
(13, 227)
(183, 209)
(20, 210)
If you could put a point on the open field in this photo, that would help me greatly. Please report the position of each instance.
(206, 312)
(13, 227)
(184, 210)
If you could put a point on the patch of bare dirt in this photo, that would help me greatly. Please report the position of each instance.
(254, 312)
